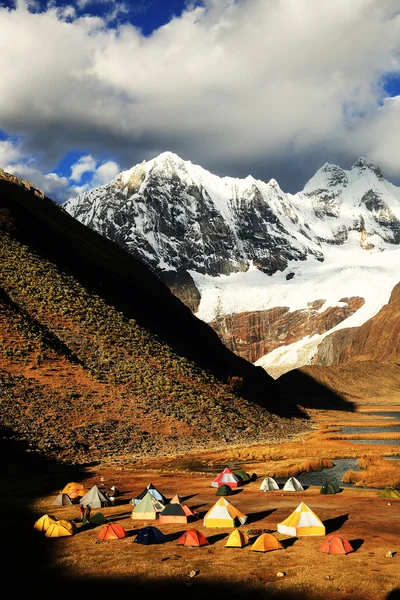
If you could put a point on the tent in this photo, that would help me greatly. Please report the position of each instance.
(245, 477)
(61, 528)
(148, 508)
(224, 514)
(228, 478)
(302, 521)
(74, 490)
(268, 484)
(150, 535)
(330, 487)
(153, 491)
(193, 538)
(389, 492)
(224, 490)
(62, 500)
(95, 498)
(176, 512)
(237, 539)
(44, 522)
(266, 542)
(336, 544)
(293, 485)
(97, 519)
(112, 531)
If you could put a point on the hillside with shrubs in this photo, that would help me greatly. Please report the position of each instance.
(100, 362)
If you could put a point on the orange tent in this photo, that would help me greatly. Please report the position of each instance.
(336, 544)
(193, 538)
(112, 531)
(266, 542)
(74, 490)
(44, 522)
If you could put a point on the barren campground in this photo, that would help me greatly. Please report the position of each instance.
(84, 565)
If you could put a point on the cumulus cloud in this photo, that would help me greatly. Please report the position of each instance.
(100, 172)
(239, 86)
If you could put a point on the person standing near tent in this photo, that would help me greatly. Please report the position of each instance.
(81, 511)
(87, 511)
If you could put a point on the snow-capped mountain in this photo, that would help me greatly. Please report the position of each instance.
(243, 245)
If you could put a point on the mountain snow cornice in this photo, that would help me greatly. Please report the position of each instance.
(176, 216)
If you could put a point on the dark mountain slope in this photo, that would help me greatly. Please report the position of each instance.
(98, 358)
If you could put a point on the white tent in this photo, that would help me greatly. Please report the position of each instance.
(302, 521)
(268, 484)
(62, 500)
(95, 498)
(293, 485)
(224, 514)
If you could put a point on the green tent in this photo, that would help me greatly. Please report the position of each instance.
(389, 492)
(224, 490)
(330, 487)
(245, 477)
(97, 519)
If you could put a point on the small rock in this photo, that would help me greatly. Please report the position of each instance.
(328, 577)
(193, 573)
(389, 554)
(280, 574)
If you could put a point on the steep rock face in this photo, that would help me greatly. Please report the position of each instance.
(376, 340)
(254, 334)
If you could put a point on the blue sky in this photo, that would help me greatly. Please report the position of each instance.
(271, 89)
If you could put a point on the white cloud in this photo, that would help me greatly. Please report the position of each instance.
(106, 171)
(231, 85)
(83, 165)
(9, 152)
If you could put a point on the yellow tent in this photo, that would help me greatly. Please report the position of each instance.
(266, 542)
(61, 528)
(44, 522)
(303, 521)
(237, 539)
(224, 514)
(74, 490)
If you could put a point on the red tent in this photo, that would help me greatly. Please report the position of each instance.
(336, 544)
(193, 538)
(227, 478)
(112, 531)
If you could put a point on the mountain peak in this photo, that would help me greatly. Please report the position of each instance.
(362, 164)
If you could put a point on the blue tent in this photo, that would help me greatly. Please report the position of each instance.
(150, 535)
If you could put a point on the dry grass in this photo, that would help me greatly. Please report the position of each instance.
(377, 472)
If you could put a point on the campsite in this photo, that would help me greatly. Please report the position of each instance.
(359, 516)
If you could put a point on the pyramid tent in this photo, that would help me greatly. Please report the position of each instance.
(153, 491)
(193, 538)
(224, 514)
(148, 508)
(389, 492)
(336, 544)
(93, 521)
(74, 490)
(176, 512)
(44, 522)
(268, 484)
(293, 485)
(62, 500)
(95, 498)
(330, 487)
(112, 531)
(302, 521)
(224, 490)
(61, 528)
(266, 542)
(237, 539)
(228, 478)
(150, 535)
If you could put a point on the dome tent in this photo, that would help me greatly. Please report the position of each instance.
(330, 487)
(150, 535)
(112, 531)
(237, 539)
(266, 542)
(61, 528)
(193, 538)
(224, 490)
(336, 544)
(44, 522)
(268, 484)
(293, 485)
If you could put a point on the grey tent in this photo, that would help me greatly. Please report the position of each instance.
(293, 485)
(95, 498)
(268, 484)
(62, 500)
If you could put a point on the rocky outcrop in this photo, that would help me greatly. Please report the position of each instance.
(252, 335)
(376, 340)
